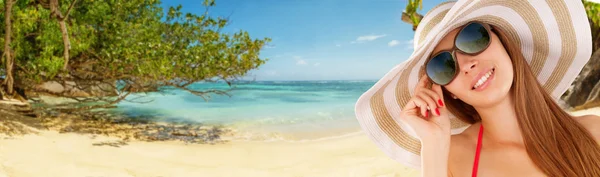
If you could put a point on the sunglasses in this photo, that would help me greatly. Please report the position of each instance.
(472, 39)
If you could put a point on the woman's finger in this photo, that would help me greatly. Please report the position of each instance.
(438, 89)
(435, 96)
(429, 101)
(412, 117)
(422, 105)
(410, 105)
(421, 84)
(415, 104)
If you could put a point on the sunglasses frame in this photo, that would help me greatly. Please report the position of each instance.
(453, 50)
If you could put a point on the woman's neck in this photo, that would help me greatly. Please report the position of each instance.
(500, 122)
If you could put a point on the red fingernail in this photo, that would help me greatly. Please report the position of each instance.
(437, 111)
(440, 102)
(426, 113)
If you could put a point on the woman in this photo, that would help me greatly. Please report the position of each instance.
(478, 95)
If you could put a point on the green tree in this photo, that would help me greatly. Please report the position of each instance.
(116, 47)
(410, 14)
(593, 12)
(58, 15)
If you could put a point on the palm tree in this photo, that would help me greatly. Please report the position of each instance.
(410, 14)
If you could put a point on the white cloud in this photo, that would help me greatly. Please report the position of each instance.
(393, 43)
(369, 37)
(362, 39)
(409, 44)
(338, 45)
(301, 62)
(317, 64)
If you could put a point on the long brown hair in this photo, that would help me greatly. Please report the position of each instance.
(556, 143)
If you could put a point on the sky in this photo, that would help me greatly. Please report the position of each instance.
(319, 39)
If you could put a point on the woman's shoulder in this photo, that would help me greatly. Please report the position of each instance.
(462, 146)
(467, 137)
(466, 140)
(591, 123)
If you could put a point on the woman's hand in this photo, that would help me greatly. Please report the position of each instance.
(426, 113)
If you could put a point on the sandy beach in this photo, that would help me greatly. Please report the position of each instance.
(49, 153)
(54, 154)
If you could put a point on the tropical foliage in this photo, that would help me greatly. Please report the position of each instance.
(111, 48)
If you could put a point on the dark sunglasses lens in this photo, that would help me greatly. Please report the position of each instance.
(473, 38)
(441, 68)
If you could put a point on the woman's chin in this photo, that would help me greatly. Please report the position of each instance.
(489, 96)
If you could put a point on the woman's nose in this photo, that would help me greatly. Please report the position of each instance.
(466, 62)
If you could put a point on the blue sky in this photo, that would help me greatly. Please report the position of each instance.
(320, 39)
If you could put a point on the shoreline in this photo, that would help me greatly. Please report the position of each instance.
(128, 128)
(259, 127)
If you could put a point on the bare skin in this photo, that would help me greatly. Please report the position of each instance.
(500, 159)
(504, 153)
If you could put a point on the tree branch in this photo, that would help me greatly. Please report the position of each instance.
(70, 107)
(9, 59)
(69, 10)
(201, 93)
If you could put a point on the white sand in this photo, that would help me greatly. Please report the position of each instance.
(65, 155)
(52, 154)
(595, 111)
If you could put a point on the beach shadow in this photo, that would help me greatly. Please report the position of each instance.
(111, 143)
(140, 128)
(15, 124)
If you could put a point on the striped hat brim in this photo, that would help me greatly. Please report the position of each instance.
(554, 37)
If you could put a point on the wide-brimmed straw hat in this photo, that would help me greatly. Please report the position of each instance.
(554, 37)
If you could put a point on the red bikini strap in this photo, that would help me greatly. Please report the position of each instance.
(476, 165)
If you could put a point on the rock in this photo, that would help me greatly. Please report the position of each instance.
(70, 89)
(594, 93)
(66, 129)
(181, 133)
(585, 88)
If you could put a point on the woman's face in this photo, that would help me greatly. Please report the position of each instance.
(493, 60)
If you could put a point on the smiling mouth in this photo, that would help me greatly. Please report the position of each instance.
(483, 79)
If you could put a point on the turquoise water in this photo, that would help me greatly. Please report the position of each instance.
(262, 110)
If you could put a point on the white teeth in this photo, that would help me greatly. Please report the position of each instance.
(483, 79)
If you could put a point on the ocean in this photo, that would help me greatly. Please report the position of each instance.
(261, 110)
